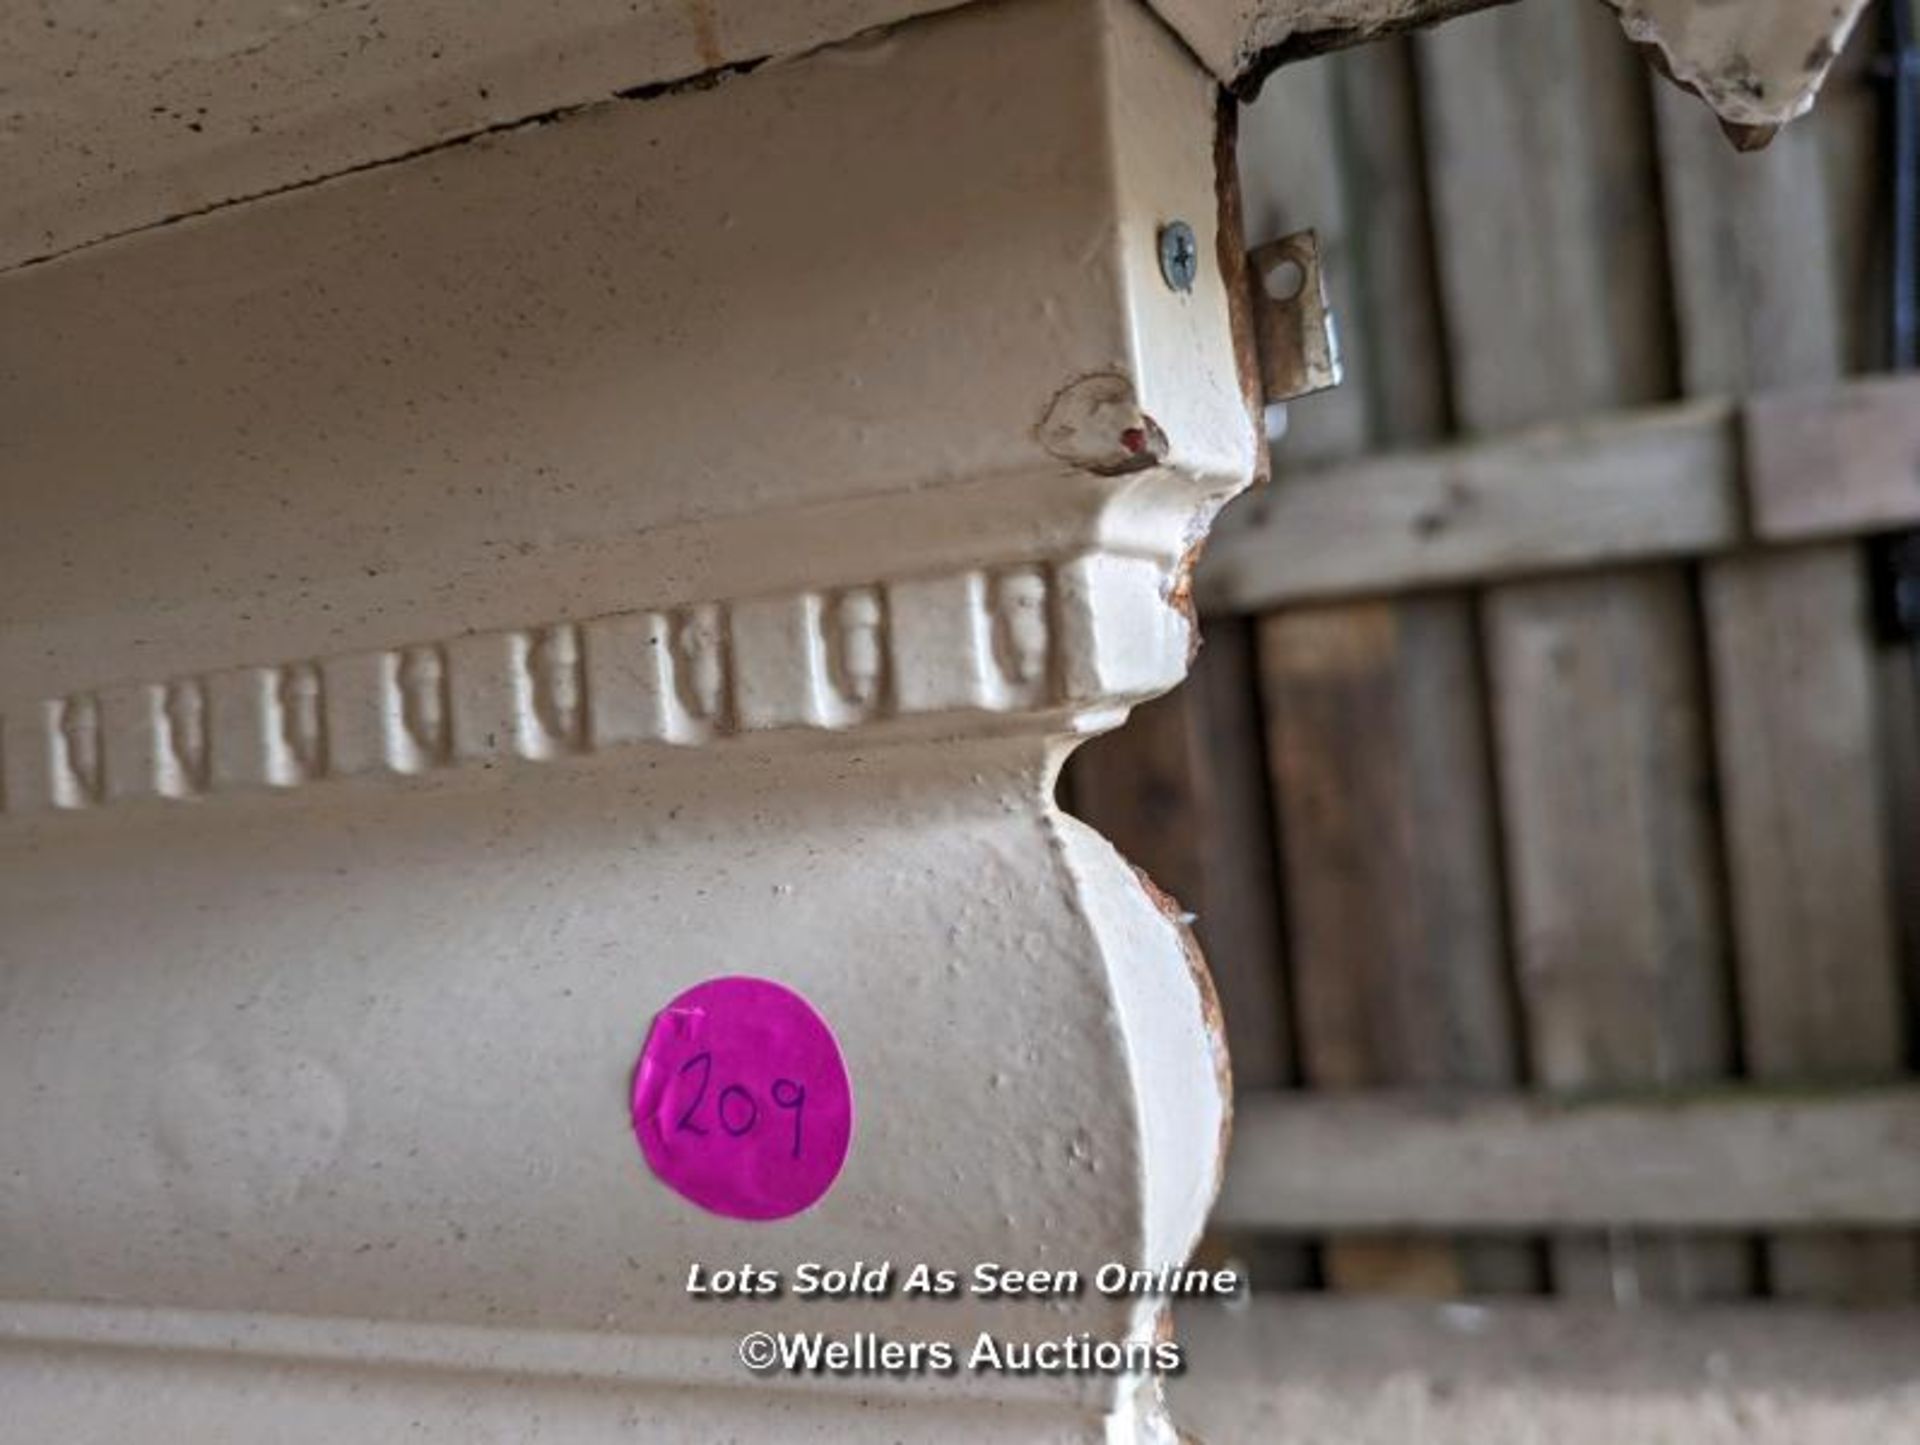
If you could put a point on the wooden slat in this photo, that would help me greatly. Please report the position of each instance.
(1853, 142)
(1806, 844)
(1547, 225)
(1390, 875)
(1897, 695)
(1379, 755)
(1378, 737)
(1603, 757)
(1397, 369)
(1641, 486)
(1739, 228)
(1552, 263)
(1750, 1159)
(1180, 791)
(1239, 900)
(1612, 875)
(1830, 462)
(1758, 281)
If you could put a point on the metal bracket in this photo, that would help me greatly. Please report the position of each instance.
(1299, 345)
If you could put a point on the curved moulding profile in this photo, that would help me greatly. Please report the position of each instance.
(362, 1066)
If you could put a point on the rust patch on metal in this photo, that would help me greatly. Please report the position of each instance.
(1212, 1019)
(1299, 347)
(1094, 423)
(1230, 248)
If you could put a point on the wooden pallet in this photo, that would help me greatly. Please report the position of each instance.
(1552, 640)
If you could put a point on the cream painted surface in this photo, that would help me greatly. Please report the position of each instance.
(122, 114)
(597, 364)
(119, 115)
(1756, 62)
(1524, 1372)
(451, 609)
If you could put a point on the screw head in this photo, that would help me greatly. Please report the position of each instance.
(1179, 255)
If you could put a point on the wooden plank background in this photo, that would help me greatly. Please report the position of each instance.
(1446, 823)
(1802, 1160)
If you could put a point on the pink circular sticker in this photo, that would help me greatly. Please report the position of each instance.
(741, 1099)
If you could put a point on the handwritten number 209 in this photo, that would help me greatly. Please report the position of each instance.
(736, 1108)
